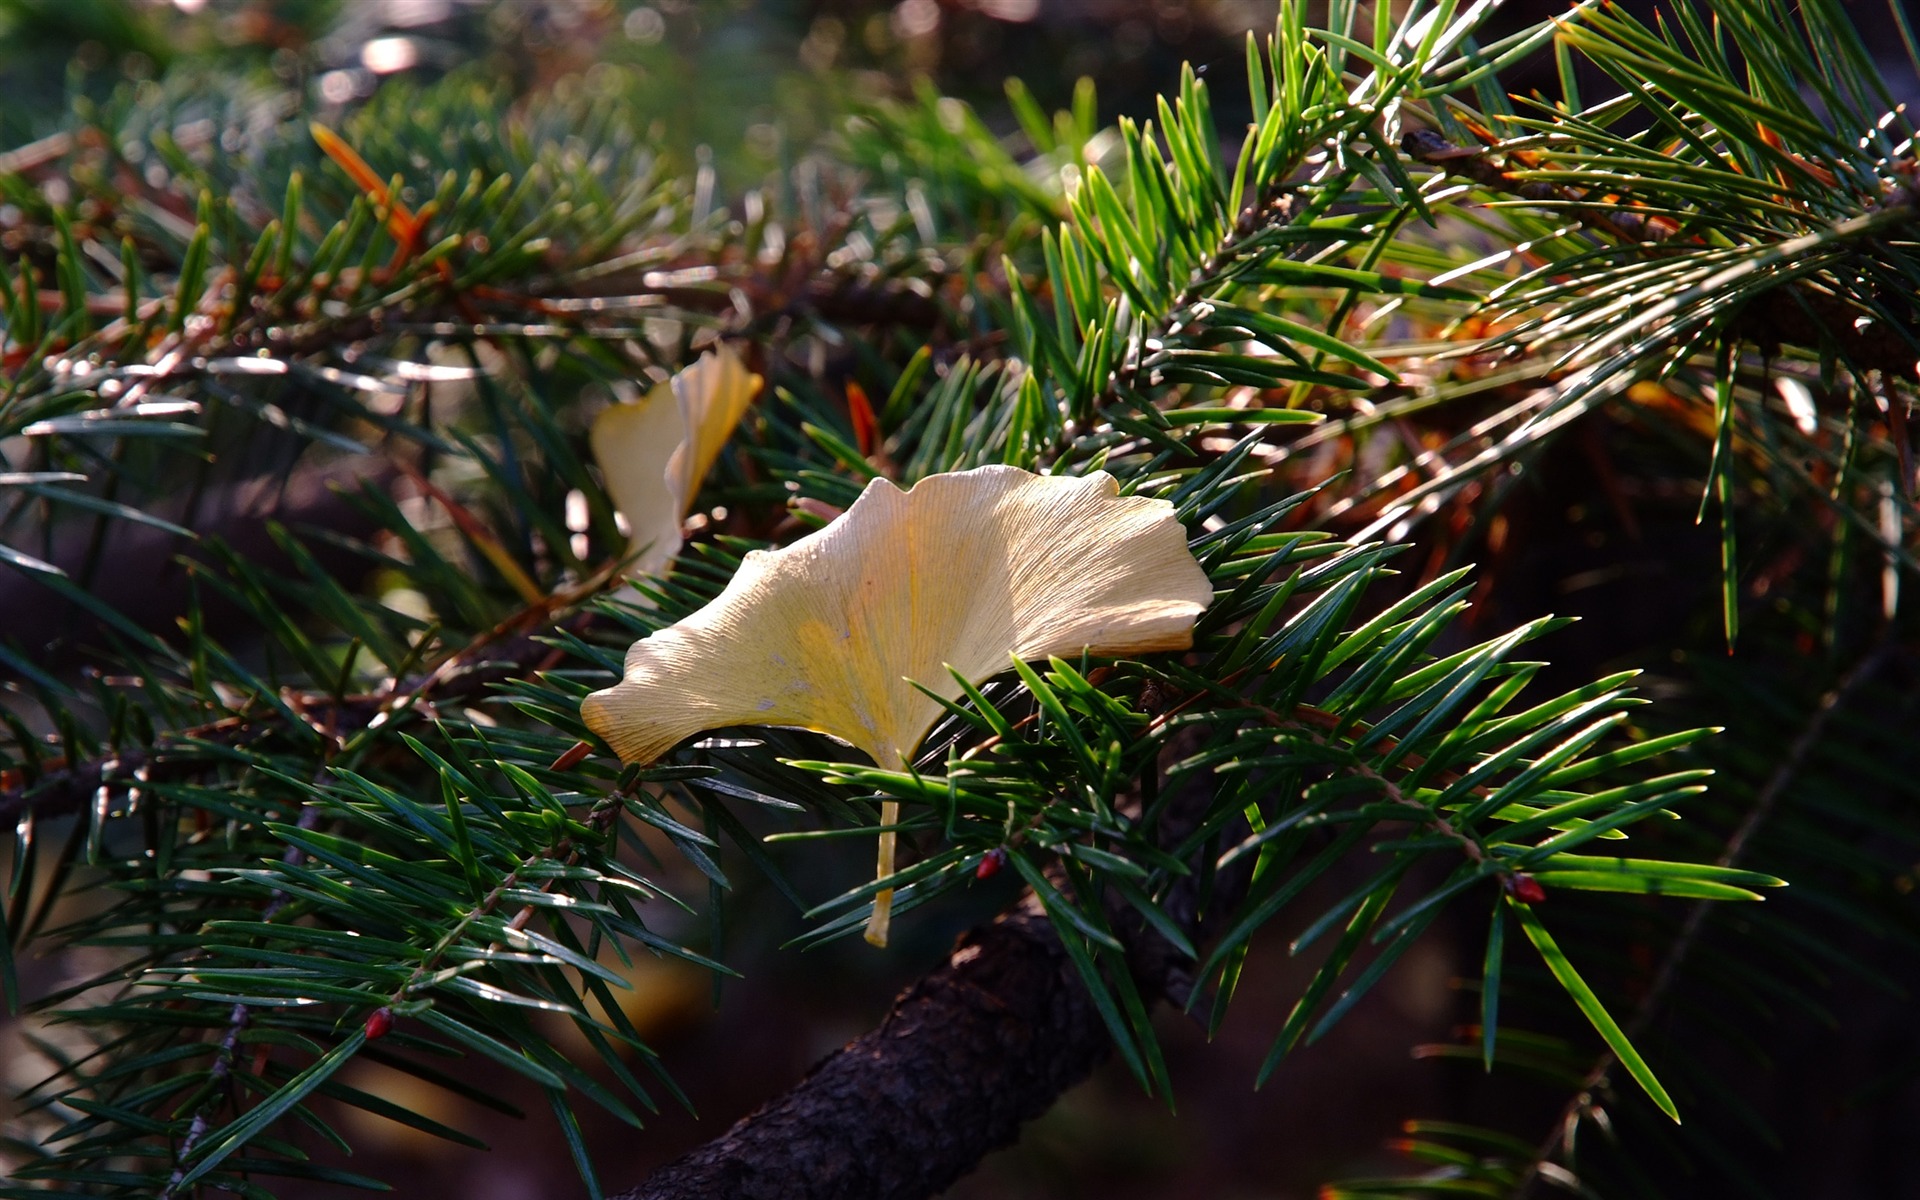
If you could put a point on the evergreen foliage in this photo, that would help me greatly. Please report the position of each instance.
(317, 818)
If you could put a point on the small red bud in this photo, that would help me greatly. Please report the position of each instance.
(1526, 889)
(990, 863)
(379, 1021)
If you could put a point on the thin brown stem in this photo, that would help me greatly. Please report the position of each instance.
(238, 1018)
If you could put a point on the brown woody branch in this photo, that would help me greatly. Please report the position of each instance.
(981, 1045)
(985, 1043)
(1797, 314)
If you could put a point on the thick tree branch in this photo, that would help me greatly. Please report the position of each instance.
(983, 1044)
(986, 1042)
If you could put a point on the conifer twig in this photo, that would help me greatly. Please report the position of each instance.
(1765, 801)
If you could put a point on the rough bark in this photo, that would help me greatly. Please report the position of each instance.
(972, 1051)
(986, 1042)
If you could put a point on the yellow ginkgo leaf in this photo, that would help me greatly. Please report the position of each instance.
(966, 570)
(655, 453)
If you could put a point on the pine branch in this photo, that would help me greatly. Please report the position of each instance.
(141, 570)
(1785, 772)
(469, 672)
(238, 1019)
(1800, 314)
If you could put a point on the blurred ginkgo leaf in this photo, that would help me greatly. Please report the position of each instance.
(655, 453)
